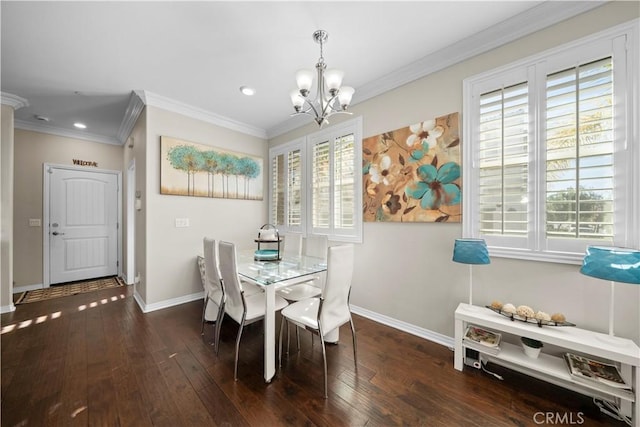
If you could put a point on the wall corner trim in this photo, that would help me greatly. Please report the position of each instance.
(7, 308)
(13, 101)
(133, 111)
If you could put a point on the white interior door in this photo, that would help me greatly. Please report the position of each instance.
(83, 225)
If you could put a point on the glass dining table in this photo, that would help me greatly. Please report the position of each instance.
(271, 276)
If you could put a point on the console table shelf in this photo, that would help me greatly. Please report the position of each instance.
(552, 368)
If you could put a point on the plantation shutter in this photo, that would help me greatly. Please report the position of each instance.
(344, 186)
(286, 189)
(277, 190)
(320, 164)
(294, 188)
(580, 143)
(503, 161)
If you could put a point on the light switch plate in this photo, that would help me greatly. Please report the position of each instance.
(182, 222)
(35, 222)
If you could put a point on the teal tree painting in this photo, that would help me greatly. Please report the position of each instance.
(190, 169)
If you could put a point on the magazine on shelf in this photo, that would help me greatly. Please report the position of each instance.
(587, 370)
(482, 339)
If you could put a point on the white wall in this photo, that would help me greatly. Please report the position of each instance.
(6, 209)
(171, 270)
(404, 271)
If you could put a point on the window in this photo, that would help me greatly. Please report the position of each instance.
(552, 164)
(316, 184)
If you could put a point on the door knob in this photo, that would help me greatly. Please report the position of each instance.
(55, 233)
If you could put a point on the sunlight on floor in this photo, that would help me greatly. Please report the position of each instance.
(41, 319)
(24, 323)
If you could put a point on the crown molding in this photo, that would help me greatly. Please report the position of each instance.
(525, 23)
(174, 106)
(13, 101)
(133, 111)
(53, 130)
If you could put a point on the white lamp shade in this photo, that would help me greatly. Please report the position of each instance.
(304, 79)
(333, 78)
(296, 99)
(345, 95)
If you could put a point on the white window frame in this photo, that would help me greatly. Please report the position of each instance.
(620, 42)
(285, 149)
(305, 145)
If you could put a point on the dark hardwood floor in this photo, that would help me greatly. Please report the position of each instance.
(94, 359)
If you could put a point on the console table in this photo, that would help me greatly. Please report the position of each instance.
(551, 368)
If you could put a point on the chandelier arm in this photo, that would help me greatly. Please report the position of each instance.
(312, 106)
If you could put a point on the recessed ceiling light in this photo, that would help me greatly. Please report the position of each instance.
(246, 90)
(80, 125)
(42, 118)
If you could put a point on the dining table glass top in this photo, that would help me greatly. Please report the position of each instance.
(288, 268)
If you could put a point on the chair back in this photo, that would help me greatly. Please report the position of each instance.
(211, 269)
(235, 304)
(334, 310)
(292, 244)
(316, 246)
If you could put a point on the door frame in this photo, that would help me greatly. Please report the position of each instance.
(46, 188)
(131, 223)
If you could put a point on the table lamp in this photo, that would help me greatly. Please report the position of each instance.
(613, 264)
(471, 251)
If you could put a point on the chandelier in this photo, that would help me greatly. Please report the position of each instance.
(324, 104)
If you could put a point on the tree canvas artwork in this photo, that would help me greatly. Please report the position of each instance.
(413, 174)
(189, 169)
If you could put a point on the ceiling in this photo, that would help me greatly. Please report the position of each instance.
(80, 61)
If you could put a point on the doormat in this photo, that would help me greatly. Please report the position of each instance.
(57, 291)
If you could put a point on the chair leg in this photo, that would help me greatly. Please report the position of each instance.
(235, 368)
(284, 320)
(288, 338)
(324, 361)
(216, 338)
(204, 310)
(298, 337)
(355, 351)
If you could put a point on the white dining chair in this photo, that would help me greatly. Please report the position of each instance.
(213, 310)
(243, 309)
(315, 246)
(292, 244)
(331, 309)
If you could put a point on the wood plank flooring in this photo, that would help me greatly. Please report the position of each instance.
(95, 359)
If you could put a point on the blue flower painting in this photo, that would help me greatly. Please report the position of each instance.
(413, 174)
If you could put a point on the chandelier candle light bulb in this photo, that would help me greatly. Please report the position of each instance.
(323, 105)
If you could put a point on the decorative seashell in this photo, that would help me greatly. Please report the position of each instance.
(496, 305)
(525, 311)
(558, 317)
(541, 315)
(509, 308)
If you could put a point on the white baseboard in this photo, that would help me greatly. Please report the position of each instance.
(7, 308)
(380, 318)
(146, 308)
(25, 288)
(125, 279)
(404, 326)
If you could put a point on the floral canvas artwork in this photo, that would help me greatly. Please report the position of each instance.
(413, 174)
(189, 169)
